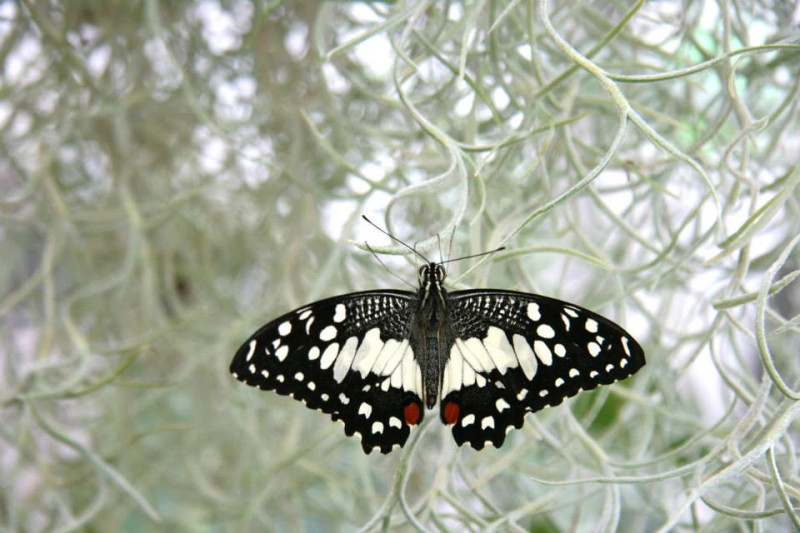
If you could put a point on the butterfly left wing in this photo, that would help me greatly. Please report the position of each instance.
(517, 353)
(348, 356)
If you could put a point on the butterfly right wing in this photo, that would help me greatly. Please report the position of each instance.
(349, 356)
(517, 353)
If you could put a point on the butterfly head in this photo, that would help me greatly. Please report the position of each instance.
(431, 279)
(431, 274)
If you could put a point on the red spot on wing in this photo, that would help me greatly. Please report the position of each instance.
(451, 412)
(411, 413)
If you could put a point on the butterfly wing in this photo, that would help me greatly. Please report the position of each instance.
(516, 353)
(348, 356)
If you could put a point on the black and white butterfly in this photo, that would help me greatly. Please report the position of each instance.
(375, 359)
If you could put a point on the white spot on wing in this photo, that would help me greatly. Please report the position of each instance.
(560, 350)
(305, 314)
(313, 353)
(501, 405)
(251, 351)
(559, 382)
(285, 328)
(329, 356)
(265, 373)
(328, 333)
(571, 312)
(445, 388)
(365, 409)
(468, 376)
(340, 314)
(527, 361)
(543, 352)
(345, 359)
(475, 354)
(594, 348)
(418, 377)
(377, 427)
(623, 363)
(397, 377)
(282, 352)
(252, 369)
(454, 372)
(487, 422)
(522, 394)
(533, 312)
(591, 325)
(545, 331)
(368, 351)
(574, 373)
(500, 350)
(386, 355)
(394, 422)
(625, 346)
(467, 420)
(343, 398)
(299, 376)
(408, 371)
(308, 325)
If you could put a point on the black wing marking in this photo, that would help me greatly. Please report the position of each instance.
(348, 356)
(517, 353)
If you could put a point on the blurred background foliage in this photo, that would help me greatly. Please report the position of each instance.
(174, 174)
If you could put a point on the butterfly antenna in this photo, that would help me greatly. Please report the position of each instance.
(417, 255)
(474, 255)
(450, 246)
(371, 223)
(386, 267)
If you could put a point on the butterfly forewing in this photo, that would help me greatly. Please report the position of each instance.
(349, 356)
(517, 352)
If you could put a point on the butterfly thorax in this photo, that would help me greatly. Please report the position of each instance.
(432, 336)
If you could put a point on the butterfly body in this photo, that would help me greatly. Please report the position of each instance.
(373, 359)
(432, 334)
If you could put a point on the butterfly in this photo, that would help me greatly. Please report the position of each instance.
(375, 360)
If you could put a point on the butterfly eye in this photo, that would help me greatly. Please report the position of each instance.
(440, 273)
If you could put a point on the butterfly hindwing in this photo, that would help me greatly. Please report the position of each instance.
(517, 353)
(348, 356)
